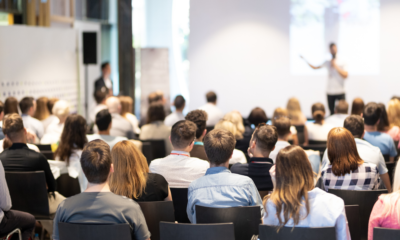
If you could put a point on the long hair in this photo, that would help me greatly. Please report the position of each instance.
(11, 106)
(72, 137)
(342, 151)
(393, 112)
(293, 179)
(42, 112)
(130, 170)
(294, 110)
(383, 124)
(126, 105)
(391, 201)
(357, 108)
(236, 118)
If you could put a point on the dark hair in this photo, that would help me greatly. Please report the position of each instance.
(355, 124)
(372, 113)
(199, 117)
(384, 120)
(103, 119)
(332, 44)
(211, 97)
(96, 161)
(50, 104)
(183, 133)
(155, 97)
(342, 107)
(11, 105)
(1, 107)
(99, 96)
(219, 145)
(318, 111)
(104, 65)
(12, 125)
(179, 102)
(357, 107)
(266, 137)
(257, 116)
(25, 104)
(72, 137)
(155, 113)
(282, 126)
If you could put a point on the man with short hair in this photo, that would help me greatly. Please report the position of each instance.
(282, 126)
(28, 109)
(97, 204)
(104, 82)
(1, 120)
(220, 188)
(262, 144)
(176, 116)
(120, 127)
(383, 141)
(341, 113)
(100, 98)
(198, 117)
(213, 112)
(179, 168)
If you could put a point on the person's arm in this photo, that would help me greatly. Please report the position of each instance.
(386, 180)
(255, 199)
(295, 139)
(375, 218)
(343, 73)
(312, 66)
(5, 199)
(169, 198)
(51, 182)
(190, 207)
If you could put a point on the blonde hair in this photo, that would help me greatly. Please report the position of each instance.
(61, 109)
(126, 105)
(278, 113)
(391, 201)
(130, 170)
(42, 112)
(393, 112)
(236, 118)
(294, 110)
(230, 127)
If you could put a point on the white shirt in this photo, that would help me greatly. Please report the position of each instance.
(213, 114)
(336, 120)
(30, 146)
(96, 110)
(335, 80)
(53, 133)
(110, 140)
(173, 118)
(278, 146)
(108, 83)
(318, 132)
(134, 121)
(74, 168)
(33, 124)
(237, 157)
(179, 170)
(48, 121)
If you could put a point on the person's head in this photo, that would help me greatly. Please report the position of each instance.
(294, 109)
(27, 106)
(100, 96)
(211, 97)
(355, 125)
(156, 97)
(357, 108)
(383, 124)
(219, 145)
(333, 49)
(1, 110)
(282, 125)
(179, 103)
(155, 113)
(73, 137)
(342, 107)
(257, 116)
(61, 110)
(199, 117)
(395, 97)
(229, 126)
(114, 105)
(126, 105)
(183, 134)
(342, 151)
(264, 139)
(294, 178)
(278, 113)
(50, 104)
(42, 112)
(96, 161)
(236, 118)
(130, 170)
(394, 112)
(318, 112)
(103, 120)
(13, 128)
(11, 106)
(106, 69)
(372, 114)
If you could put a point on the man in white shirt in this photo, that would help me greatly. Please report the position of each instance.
(176, 116)
(104, 83)
(367, 152)
(28, 109)
(213, 112)
(341, 113)
(100, 98)
(179, 169)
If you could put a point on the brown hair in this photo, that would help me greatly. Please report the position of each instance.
(25, 104)
(50, 104)
(13, 125)
(211, 97)
(130, 170)
(282, 125)
(278, 113)
(99, 96)
(126, 105)
(342, 107)
(42, 112)
(155, 113)
(183, 133)
(294, 110)
(96, 161)
(219, 145)
(357, 108)
(11, 106)
(1, 107)
(257, 116)
(294, 178)
(265, 136)
(355, 124)
(342, 151)
(318, 111)
(199, 117)
(383, 124)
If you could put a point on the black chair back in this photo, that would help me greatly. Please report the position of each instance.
(157, 149)
(386, 157)
(313, 142)
(209, 129)
(68, 231)
(174, 231)
(28, 193)
(245, 219)
(156, 212)
(386, 234)
(364, 199)
(48, 154)
(263, 193)
(353, 219)
(44, 147)
(391, 168)
(316, 147)
(298, 233)
(180, 200)
(68, 186)
(300, 134)
(147, 151)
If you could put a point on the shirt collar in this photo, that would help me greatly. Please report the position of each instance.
(199, 143)
(24, 115)
(180, 152)
(18, 146)
(215, 170)
(261, 160)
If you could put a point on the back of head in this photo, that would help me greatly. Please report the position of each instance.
(155, 113)
(266, 137)
(236, 118)
(257, 116)
(219, 145)
(183, 134)
(318, 111)
(113, 105)
(342, 107)
(199, 117)
(25, 104)
(61, 109)
(100, 96)
(13, 126)
(357, 107)
(96, 161)
(156, 97)
(294, 109)
(342, 151)
(383, 120)
(1, 107)
(42, 112)
(104, 65)
(278, 113)
(394, 112)
(282, 126)
(50, 104)
(372, 113)
(179, 102)
(10, 105)
(211, 97)
(126, 104)
(355, 125)
(229, 126)
(103, 120)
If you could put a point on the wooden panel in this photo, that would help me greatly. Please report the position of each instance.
(31, 12)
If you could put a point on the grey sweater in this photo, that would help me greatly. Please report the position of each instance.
(5, 199)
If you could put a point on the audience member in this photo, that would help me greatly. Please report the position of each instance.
(384, 125)
(100, 97)
(357, 108)
(11, 106)
(55, 129)
(42, 112)
(104, 123)
(295, 114)
(52, 119)
(237, 156)
(179, 169)
(104, 83)
(347, 170)
(179, 104)
(372, 114)
(282, 127)
(341, 113)
(242, 143)
(262, 143)
(296, 203)
(28, 109)
(318, 130)
(98, 204)
(126, 112)
(1, 120)
(282, 112)
(219, 188)
(155, 128)
(394, 114)
(132, 178)
(257, 116)
(213, 112)
(120, 127)
(199, 117)
(157, 97)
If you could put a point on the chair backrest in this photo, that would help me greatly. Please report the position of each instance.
(364, 199)
(68, 186)
(263, 193)
(245, 219)
(314, 142)
(300, 134)
(48, 154)
(180, 200)
(44, 147)
(209, 129)
(147, 151)
(386, 234)
(386, 157)
(69, 231)
(157, 149)
(28, 192)
(353, 219)
(175, 231)
(156, 212)
(391, 168)
(298, 233)
(316, 147)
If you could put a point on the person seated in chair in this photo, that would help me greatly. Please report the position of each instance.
(341, 113)
(28, 109)
(199, 117)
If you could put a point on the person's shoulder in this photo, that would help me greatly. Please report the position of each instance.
(239, 168)
(241, 179)
(200, 161)
(335, 202)
(156, 177)
(369, 165)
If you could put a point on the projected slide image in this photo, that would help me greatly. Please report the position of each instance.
(352, 24)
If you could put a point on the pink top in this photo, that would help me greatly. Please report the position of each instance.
(377, 219)
(394, 132)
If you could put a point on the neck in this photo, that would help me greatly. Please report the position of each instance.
(370, 128)
(187, 149)
(320, 122)
(106, 132)
(260, 154)
(200, 139)
(225, 164)
(179, 110)
(213, 103)
(94, 187)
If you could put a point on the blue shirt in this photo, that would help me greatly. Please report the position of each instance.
(383, 141)
(220, 188)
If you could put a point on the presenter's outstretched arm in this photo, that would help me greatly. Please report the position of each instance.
(342, 72)
(312, 66)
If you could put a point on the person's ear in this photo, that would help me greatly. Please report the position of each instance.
(362, 115)
(109, 126)
(204, 133)
(112, 168)
(362, 135)
(170, 139)
(273, 149)
(192, 144)
(253, 144)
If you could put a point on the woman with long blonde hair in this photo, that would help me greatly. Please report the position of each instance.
(126, 112)
(295, 114)
(295, 202)
(393, 114)
(132, 178)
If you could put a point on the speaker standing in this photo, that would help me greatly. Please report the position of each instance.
(104, 82)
